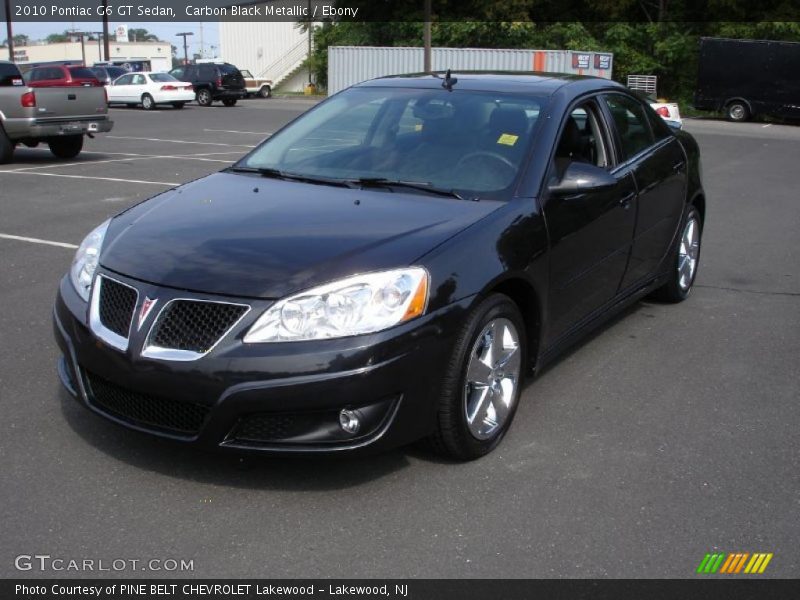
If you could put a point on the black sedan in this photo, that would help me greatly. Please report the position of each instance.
(390, 266)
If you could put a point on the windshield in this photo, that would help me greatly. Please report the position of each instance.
(162, 77)
(468, 141)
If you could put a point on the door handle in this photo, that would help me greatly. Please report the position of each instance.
(71, 96)
(625, 202)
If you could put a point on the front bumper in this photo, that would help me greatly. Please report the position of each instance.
(285, 397)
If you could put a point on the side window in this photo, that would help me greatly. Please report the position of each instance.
(124, 80)
(206, 73)
(178, 73)
(138, 80)
(660, 129)
(583, 138)
(34, 75)
(631, 122)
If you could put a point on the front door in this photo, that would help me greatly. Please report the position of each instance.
(590, 233)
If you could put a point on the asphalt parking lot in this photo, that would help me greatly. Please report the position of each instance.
(672, 432)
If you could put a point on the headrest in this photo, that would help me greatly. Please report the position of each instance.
(571, 144)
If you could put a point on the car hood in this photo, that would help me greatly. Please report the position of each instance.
(244, 235)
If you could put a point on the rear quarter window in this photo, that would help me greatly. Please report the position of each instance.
(82, 73)
(10, 76)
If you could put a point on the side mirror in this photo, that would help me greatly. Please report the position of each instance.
(580, 178)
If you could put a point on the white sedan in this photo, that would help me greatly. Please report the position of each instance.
(149, 89)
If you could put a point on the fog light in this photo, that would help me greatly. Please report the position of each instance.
(348, 420)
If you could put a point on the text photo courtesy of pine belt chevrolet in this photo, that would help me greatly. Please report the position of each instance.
(57, 108)
(390, 266)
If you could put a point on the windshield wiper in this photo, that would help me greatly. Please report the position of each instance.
(423, 186)
(278, 174)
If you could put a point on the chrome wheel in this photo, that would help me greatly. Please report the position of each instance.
(493, 374)
(147, 102)
(688, 253)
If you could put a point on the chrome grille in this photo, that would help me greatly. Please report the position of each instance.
(117, 303)
(194, 326)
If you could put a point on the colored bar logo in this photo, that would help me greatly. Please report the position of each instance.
(734, 563)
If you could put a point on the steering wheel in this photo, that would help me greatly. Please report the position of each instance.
(499, 158)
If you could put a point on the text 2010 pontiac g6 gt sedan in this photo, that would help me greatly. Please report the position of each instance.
(387, 267)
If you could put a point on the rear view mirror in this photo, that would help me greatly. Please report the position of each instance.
(580, 178)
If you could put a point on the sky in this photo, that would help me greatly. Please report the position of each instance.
(165, 31)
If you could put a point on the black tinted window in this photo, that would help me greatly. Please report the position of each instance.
(82, 73)
(9, 75)
(207, 72)
(631, 122)
(660, 129)
(228, 70)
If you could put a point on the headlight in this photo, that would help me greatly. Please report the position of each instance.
(352, 306)
(85, 262)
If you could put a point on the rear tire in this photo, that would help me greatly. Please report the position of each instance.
(204, 97)
(6, 148)
(68, 146)
(178, 105)
(482, 382)
(265, 92)
(737, 111)
(229, 102)
(147, 102)
(685, 260)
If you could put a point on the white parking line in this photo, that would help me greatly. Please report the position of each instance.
(21, 238)
(128, 137)
(244, 132)
(165, 183)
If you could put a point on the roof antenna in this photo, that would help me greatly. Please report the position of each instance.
(449, 81)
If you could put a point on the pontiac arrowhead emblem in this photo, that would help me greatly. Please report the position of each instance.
(147, 306)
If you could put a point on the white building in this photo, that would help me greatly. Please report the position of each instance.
(158, 53)
(269, 50)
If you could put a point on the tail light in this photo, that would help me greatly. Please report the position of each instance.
(663, 111)
(219, 81)
(28, 100)
(168, 88)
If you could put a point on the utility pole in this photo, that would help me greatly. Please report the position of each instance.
(185, 45)
(202, 48)
(9, 32)
(99, 34)
(426, 37)
(106, 41)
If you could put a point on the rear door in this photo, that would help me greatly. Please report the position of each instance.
(655, 157)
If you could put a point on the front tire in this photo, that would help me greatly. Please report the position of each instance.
(147, 102)
(685, 260)
(265, 92)
(204, 97)
(737, 111)
(483, 381)
(66, 147)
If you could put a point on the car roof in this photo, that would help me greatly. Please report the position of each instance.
(496, 81)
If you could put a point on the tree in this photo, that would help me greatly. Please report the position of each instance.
(141, 35)
(19, 40)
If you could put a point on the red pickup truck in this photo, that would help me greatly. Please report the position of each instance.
(61, 76)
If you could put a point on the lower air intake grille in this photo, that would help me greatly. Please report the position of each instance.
(145, 410)
(194, 325)
(117, 302)
(269, 427)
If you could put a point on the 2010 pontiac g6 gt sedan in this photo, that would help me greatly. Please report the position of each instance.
(388, 267)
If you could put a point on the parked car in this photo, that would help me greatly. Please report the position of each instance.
(149, 90)
(62, 76)
(389, 266)
(213, 81)
(107, 74)
(256, 86)
(58, 116)
(668, 111)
